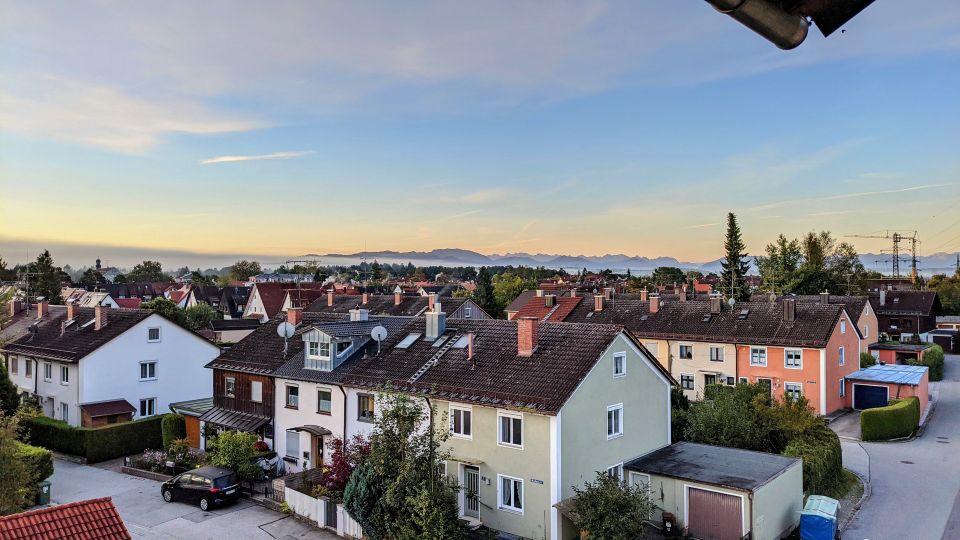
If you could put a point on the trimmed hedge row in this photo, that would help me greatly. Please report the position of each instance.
(819, 447)
(900, 418)
(96, 444)
(173, 427)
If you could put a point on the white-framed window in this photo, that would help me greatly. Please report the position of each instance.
(148, 407)
(293, 444)
(744, 380)
(793, 359)
(792, 390)
(47, 371)
(324, 401)
(686, 381)
(64, 375)
(842, 355)
(293, 396)
(614, 421)
(153, 334)
(686, 352)
(318, 356)
(64, 412)
(639, 479)
(510, 496)
(467, 312)
(758, 356)
(256, 391)
(148, 371)
(461, 421)
(230, 387)
(716, 353)
(365, 407)
(620, 364)
(866, 331)
(616, 471)
(510, 429)
(843, 326)
(843, 386)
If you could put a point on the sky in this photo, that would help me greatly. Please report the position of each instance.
(585, 127)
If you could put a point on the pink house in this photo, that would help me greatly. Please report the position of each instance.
(876, 385)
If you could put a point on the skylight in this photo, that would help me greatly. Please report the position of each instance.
(743, 314)
(461, 343)
(440, 340)
(408, 341)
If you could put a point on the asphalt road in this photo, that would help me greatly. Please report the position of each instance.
(148, 516)
(915, 484)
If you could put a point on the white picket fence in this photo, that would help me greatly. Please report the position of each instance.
(314, 509)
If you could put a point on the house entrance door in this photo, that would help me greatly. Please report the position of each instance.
(316, 451)
(471, 492)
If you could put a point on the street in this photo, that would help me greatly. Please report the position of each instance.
(915, 484)
(147, 516)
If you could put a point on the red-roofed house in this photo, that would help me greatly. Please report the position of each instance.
(129, 303)
(549, 307)
(94, 519)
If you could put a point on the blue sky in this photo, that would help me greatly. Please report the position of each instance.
(573, 127)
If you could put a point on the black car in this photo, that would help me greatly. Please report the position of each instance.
(206, 486)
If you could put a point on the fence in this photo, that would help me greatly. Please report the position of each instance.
(320, 510)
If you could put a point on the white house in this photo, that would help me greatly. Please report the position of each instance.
(91, 367)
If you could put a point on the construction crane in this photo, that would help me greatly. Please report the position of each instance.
(897, 237)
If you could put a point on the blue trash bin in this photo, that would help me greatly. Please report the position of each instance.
(818, 519)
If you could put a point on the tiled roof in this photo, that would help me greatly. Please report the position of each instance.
(107, 408)
(521, 300)
(384, 304)
(19, 325)
(94, 519)
(302, 298)
(853, 304)
(537, 307)
(272, 294)
(129, 303)
(923, 303)
(193, 407)
(79, 338)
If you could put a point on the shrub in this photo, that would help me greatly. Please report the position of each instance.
(898, 419)
(56, 435)
(819, 447)
(867, 360)
(234, 450)
(933, 359)
(610, 508)
(712, 390)
(172, 427)
(39, 462)
(96, 444)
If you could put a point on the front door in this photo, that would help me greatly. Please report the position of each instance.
(471, 491)
(766, 382)
(316, 450)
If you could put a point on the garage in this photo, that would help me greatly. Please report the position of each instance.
(713, 515)
(866, 396)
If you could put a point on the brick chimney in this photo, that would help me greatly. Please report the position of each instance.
(397, 298)
(295, 315)
(655, 303)
(73, 309)
(100, 316)
(608, 292)
(539, 292)
(825, 297)
(644, 295)
(365, 298)
(14, 307)
(716, 304)
(42, 309)
(527, 335)
(330, 298)
(431, 301)
(598, 302)
(683, 294)
(789, 309)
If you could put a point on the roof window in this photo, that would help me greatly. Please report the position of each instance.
(744, 313)
(408, 341)
(440, 340)
(707, 317)
(462, 342)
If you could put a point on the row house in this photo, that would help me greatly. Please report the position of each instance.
(266, 299)
(858, 308)
(904, 313)
(92, 366)
(398, 305)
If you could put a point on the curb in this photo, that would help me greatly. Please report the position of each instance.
(867, 491)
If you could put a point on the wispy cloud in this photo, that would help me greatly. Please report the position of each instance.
(275, 155)
(701, 226)
(853, 195)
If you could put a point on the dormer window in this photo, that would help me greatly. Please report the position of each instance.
(343, 346)
(318, 356)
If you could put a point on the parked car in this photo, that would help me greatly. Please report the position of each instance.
(206, 486)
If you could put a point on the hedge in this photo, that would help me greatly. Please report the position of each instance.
(898, 419)
(39, 462)
(933, 359)
(819, 447)
(173, 427)
(96, 444)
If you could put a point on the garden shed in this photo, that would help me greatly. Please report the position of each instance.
(723, 493)
(899, 353)
(876, 385)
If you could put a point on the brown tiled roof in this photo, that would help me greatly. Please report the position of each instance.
(853, 304)
(79, 338)
(107, 408)
(94, 519)
(521, 300)
(923, 303)
(302, 298)
(537, 308)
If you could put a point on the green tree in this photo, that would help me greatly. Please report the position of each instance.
(145, 271)
(362, 497)
(483, 294)
(91, 277)
(611, 509)
(777, 269)
(15, 476)
(9, 397)
(234, 450)
(167, 308)
(199, 278)
(867, 360)
(243, 270)
(733, 283)
(199, 316)
(508, 286)
(44, 279)
(376, 271)
(668, 275)
(121, 278)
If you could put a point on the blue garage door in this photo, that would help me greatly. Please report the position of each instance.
(868, 397)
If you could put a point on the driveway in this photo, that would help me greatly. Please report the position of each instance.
(147, 516)
(847, 425)
(916, 484)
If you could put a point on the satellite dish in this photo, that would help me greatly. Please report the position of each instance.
(732, 301)
(378, 333)
(285, 330)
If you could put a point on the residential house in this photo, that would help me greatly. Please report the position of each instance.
(398, 305)
(273, 277)
(227, 331)
(150, 362)
(905, 313)
(192, 410)
(266, 298)
(858, 307)
(233, 301)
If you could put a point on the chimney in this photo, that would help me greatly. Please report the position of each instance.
(100, 316)
(644, 295)
(14, 306)
(330, 297)
(655, 303)
(366, 298)
(825, 297)
(295, 315)
(789, 309)
(883, 298)
(358, 314)
(527, 331)
(573, 293)
(73, 309)
(598, 302)
(684, 288)
(683, 294)
(436, 322)
(470, 350)
(539, 292)
(550, 300)
(431, 301)
(397, 298)
(608, 293)
(42, 309)
(716, 304)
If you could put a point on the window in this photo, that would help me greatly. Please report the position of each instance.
(510, 429)
(620, 364)
(842, 356)
(461, 422)
(709, 378)
(365, 407)
(686, 352)
(843, 386)
(616, 471)
(64, 412)
(866, 330)
(843, 326)
(230, 387)
(343, 346)
(511, 493)
(293, 396)
(148, 371)
(256, 391)
(148, 406)
(686, 382)
(716, 354)
(313, 348)
(324, 401)
(467, 312)
(641, 480)
(13, 365)
(28, 368)
(758, 356)
(792, 391)
(407, 341)
(293, 444)
(744, 380)
(64, 375)
(153, 334)
(793, 359)
(48, 371)
(614, 421)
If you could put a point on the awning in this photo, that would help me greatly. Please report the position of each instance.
(567, 508)
(239, 421)
(108, 408)
(314, 430)
(193, 407)
(466, 460)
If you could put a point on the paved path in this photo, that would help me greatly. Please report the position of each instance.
(916, 484)
(147, 516)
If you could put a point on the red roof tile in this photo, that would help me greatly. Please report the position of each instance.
(94, 519)
(130, 303)
(537, 307)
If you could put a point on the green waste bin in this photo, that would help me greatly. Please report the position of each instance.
(43, 498)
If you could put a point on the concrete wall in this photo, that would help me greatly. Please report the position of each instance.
(777, 505)
(701, 365)
(668, 495)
